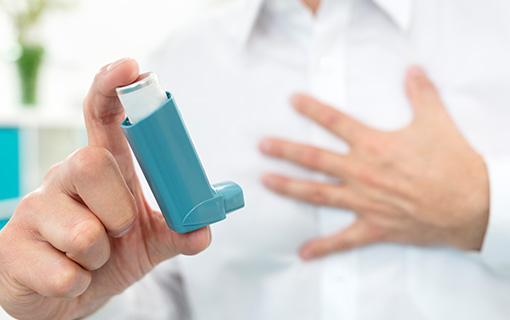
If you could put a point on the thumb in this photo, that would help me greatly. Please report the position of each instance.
(424, 97)
(162, 243)
(192, 242)
(358, 234)
(104, 113)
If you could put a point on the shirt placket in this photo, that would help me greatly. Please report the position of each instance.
(327, 82)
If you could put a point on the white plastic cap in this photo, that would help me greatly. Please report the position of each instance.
(143, 97)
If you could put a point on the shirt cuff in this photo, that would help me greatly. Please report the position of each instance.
(496, 247)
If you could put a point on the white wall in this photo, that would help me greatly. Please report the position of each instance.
(94, 32)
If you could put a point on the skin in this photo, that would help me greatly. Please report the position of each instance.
(87, 233)
(423, 185)
(313, 5)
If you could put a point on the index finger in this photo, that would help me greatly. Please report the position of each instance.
(92, 176)
(307, 156)
(339, 123)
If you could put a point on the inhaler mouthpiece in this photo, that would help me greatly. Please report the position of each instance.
(143, 97)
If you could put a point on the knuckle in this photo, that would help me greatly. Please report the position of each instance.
(374, 174)
(26, 204)
(85, 236)
(65, 282)
(322, 247)
(368, 176)
(90, 161)
(86, 101)
(377, 234)
(375, 179)
(329, 118)
(343, 244)
(377, 147)
(412, 208)
(375, 208)
(30, 203)
(51, 172)
(97, 79)
(317, 196)
(311, 157)
(99, 74)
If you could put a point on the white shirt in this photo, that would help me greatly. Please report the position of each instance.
(232, 76)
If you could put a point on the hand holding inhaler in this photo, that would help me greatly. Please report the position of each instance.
(87, 233)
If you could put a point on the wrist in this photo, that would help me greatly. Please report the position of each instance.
(478, 210)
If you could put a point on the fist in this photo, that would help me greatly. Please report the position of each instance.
(87, 233)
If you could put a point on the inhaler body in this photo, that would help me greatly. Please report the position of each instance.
(158, 137)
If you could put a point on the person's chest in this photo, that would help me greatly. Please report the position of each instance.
(231, 101)
(358, 68)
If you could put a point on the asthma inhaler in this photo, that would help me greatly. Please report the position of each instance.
(159, 139)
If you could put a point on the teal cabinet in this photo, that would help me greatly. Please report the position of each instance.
(29, 145)
(9, 168)
(9, 163)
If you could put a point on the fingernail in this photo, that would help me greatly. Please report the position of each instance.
(117, 63)
(269, 181)
(265, 146)
(417, 71)
(123, 233)
(209, 236)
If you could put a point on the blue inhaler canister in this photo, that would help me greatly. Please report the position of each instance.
(156, 132)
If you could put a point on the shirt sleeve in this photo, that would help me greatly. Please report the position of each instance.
(496, 248)
(158, 296)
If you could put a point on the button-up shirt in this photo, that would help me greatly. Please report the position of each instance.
(232, 76)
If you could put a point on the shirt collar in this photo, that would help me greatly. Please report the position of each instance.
(400, 11)
(248, 18)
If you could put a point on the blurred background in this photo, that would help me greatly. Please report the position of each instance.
(50, 51)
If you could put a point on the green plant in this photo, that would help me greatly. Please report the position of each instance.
(25, 14)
